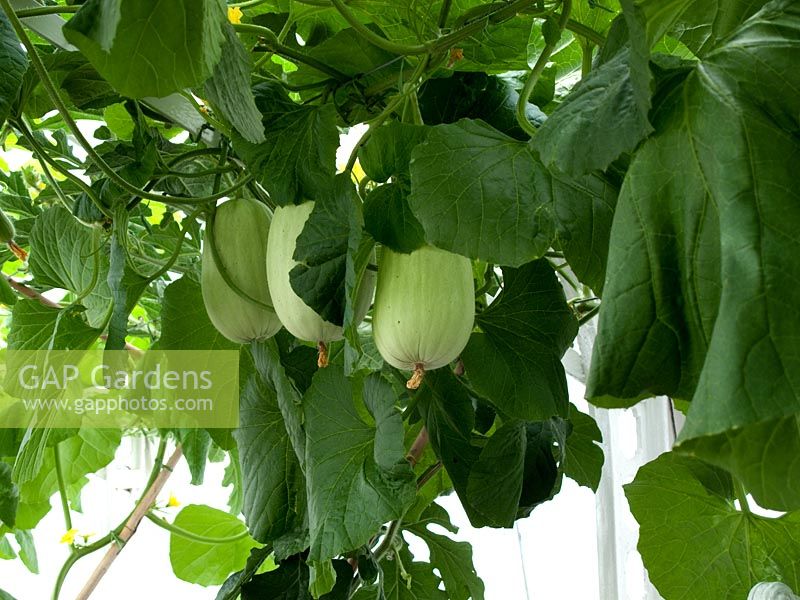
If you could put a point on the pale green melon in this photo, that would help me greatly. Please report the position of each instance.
(241, 232)
(424, 309)
(298, 318)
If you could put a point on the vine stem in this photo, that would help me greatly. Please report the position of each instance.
(98, 160)
(393, 105)
(432, 46)
(536, 72)
(268, 37)
(741, 496)
(62, 489)
(109, 537)
(190, 535)
(127, 531)
(418, 447)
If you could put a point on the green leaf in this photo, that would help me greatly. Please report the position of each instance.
(202, 563)
(27, 550)
(150, 48)
(583, 456)
(584, 210)
(184, 321)
(352, 467)
(499, 47)
(497, 475)
(695, 544)
(62, 256)
(703, 24)
(273, 483)
(270, 360)
(453, 559)
(288, 582)
(387, 152)
(7, 552)
(404, 579)
(321, 250)
(389, 220)
(542, 474)
(480, 193)
(87, 452)
(321, 578)
(357, 278)
(35, 326)
(13, 64)
(603, 113)
(233, 477)
(446, 409)
(6, 596)
(196, 443)
(229, 91)
(232, 587)
(9, 497)
(516, 362)
(125, 286)
(706, 259)
(298, 159)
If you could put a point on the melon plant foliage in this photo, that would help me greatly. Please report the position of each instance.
(636, 159)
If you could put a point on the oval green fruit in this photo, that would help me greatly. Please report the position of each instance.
(7, 234)
(424, 309)
(7, 231)
(240, 234)
(298, 318)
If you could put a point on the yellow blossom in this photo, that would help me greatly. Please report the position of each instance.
(69, 537)
(173, 502)
(235, 15)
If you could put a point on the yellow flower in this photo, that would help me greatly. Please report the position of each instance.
(173, 501)
(69, 537)
(235, 15)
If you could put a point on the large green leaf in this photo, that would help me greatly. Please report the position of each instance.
(705, 259)
(703, 24)
(290, 581)
(273, 483)
(150, 48)
(9, 496)
(27, 550)
(603, 112)
(184, 321)
(321, 251)
(482, 194)
(208, 563)
(81, 454)
(13, 64)
(352, 468)
(453, 559)
(404, 579)
(387, 152)
(447, 411)
(229, 91)
(389, 220)
(35, 326)
(583, 455)
(298, 159)
(516, 361)
(62, 256)
(693, 541)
